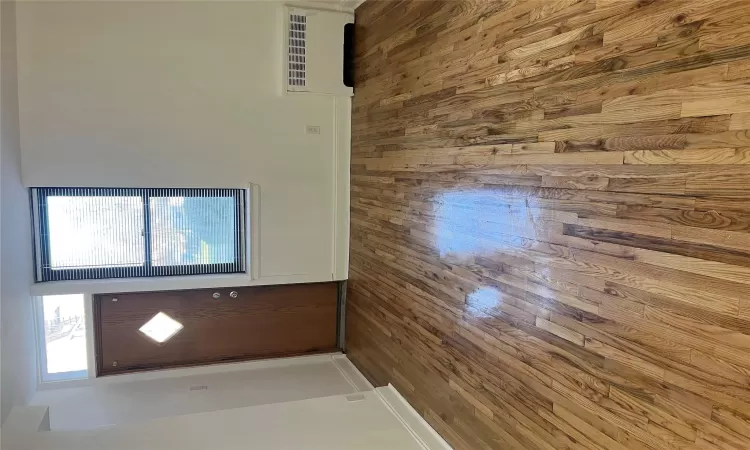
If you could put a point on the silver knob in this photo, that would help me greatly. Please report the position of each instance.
(233, 294)
(216, 295)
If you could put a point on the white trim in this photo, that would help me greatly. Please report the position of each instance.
(45, 378)
(352, 375)
(150, 284)
(197, 370)
(342, 110)
(422, 432)
(253, 228)
(336, 213)
(40, 341)
(250, 277)
(88, 310)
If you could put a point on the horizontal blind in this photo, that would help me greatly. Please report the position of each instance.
(94, 233)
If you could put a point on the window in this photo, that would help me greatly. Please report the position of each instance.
(63, 352)
(92, 233)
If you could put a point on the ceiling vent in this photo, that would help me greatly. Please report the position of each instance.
(313, 45)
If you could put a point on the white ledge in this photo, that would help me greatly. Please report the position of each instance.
(169, 283)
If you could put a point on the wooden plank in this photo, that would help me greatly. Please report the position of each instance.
(696, 156)
(550, 224)
(557, 330)
(740, 121)
(726, 105)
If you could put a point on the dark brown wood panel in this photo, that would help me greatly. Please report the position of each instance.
(550, 219)
(261, 322)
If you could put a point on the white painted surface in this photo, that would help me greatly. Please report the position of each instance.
(138, 398)
(195, 370)
(324, 57)
(329, 423)
(28, 419)
(362, 419)
(175, 94)
(342, 187)
(18, 360)
(351, 5)
(164, 283)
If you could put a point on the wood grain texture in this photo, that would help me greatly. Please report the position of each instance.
(260, 322)
(550, 219)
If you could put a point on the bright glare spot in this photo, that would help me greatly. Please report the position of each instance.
(161, 328)
(484, 300)
(81, 228)
(479, 222)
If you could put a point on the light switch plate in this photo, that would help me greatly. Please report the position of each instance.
(312, 129)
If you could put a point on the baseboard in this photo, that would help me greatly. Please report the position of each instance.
(422, 432)
(195, 370)
(352, 375)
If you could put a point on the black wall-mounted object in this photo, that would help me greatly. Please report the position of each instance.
(349, 55)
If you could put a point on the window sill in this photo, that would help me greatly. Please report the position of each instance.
(168, 283)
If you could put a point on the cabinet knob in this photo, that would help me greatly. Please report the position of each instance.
(216, 295)
(233, 294)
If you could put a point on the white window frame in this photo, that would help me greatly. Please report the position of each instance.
(46, 379)
(249, 277)
(145, 266)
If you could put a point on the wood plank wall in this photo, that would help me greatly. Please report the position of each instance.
(550, 244)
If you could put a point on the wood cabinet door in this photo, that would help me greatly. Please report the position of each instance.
(258, 322)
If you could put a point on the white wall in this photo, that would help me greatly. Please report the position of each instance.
(173, 94)
(17, 349)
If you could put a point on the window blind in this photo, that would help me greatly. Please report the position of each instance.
(94, 233)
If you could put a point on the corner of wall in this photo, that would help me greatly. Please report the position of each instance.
(18, 343)
(342, 158)
(352, 375)
(350, 5)
(30, 419)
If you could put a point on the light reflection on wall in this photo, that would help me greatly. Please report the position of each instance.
(478, 221)
(483, 300)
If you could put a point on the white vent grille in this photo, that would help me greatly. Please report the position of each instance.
(297, 51)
